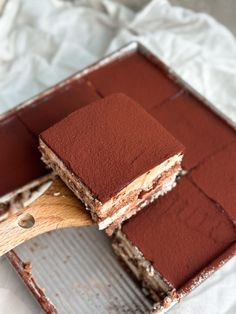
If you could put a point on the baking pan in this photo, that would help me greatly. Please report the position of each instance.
(75, 268)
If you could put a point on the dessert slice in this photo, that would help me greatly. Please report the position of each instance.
(19, 157)
(135, 75)
(216, 177)
(52, 108)
(175, 243)
(114, 156)
(201, 131)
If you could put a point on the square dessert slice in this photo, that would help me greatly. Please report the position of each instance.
(216, 177)
(176, 242)
(114, 156)
(52, 108)
(19, 158)
(201, 131)
(136, 76)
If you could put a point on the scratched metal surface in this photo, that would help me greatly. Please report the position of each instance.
(80, 273)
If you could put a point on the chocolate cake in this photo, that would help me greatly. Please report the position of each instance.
(114, 156)
(169, 243)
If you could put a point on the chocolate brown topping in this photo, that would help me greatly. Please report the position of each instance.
(137, 77)
(110, 143)
(216, 177)
(196, 126)
(19, 158)
(181, 233)
(50, 109)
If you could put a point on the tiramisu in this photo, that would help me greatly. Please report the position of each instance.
(136, 76)
(48, 110)
(194, 124)
(114, 156)
(174, 243)
(216, 177)
(19, 158)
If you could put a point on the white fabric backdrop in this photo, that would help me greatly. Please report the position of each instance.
(43, 41)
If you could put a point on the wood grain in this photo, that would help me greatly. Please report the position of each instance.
(56, 208)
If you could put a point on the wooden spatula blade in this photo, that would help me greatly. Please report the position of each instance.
(56, 208)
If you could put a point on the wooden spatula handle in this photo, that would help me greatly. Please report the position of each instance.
(56, 208)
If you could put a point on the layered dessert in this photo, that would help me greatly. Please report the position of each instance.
(194, 124)
(173, 244)
(52, 108)
(216, 177)
(137, 77)
(114, 156)
(209, 158)
(19, 158)
(21, 170)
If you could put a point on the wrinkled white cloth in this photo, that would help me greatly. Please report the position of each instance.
(42, 42)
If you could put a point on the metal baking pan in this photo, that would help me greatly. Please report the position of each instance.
(75, 268)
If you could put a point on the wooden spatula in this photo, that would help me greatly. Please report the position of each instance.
(56, 208)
